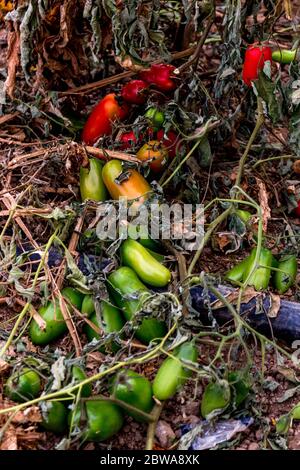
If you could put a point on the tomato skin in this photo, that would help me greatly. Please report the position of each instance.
(123, 284)
(297, 210)
(52, 315)
(91, 182)
(172, 374)
(99, 122)
(104, 419)
(170, 141)
(149, 270)
(134, 389)
(54, 415)
(133, 187)
(134, 92)
(284, 56)
(159, 75)
(87, 307)
(112, 321)
(23, 385)
(284, 280)
(255, 58)
(127, 140)
(261, 277)
(157, 152)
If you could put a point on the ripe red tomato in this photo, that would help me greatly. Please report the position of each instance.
(170, 141)
(134, 92)
(100, 120)
(297, 210)
(155, 152)
(160, 76)
(255, 58)
(127, 140)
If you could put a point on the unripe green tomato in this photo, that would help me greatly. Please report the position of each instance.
(286, 279)
(261, 276)
(172, 374)
(156, 118)
(149, 270)
(88, 306)
(123, 284)
(112, 321)
(52, 315)
(283, 56)
(78, 375)
(245, 216)
(54, 415)
(134, 389)
(283, 423)
(236, 273)
(296, 412)
(216, 396)
(104, 419)
(23, 385)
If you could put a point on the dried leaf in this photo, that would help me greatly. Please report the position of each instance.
(264, 203)
(13, 39)
(296, 167)
(275, 305)
(9, 441)
(233, 296)
(4, 367)
(29, 415)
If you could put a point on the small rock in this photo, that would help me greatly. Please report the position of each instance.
(164, 433)
(253, 446)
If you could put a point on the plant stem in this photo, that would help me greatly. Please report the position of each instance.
(152, 426)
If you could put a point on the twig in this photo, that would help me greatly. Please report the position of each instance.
(152, 426)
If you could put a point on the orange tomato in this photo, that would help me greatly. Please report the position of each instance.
(156, 153)
(129, 184)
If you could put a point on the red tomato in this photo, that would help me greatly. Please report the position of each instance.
(255, 58)
(134, 92)
(160, 76)
(100, 120)
(127, 140)
(297, 210)
(170, 141)
(155, 152)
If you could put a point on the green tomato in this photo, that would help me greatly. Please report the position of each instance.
(134, 389)
(236, 273)
(283, 56)
(54, 415)
(155, 117)
(172, 374)
(88, 306)
(91, 182)
(112, 321)
(23, 385)
(103, 420)
(78, 375)
(128, 293)
(216, 397)
(52, 315)
(149, 270)
(261, 277)
(286, 279)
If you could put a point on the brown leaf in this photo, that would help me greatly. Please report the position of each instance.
(4, 367)
(29, 415)
(264, 203)
(275, 305)
(7, 117)
(9, 441)
(233, 296)
(13, 39)
(296, 167)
